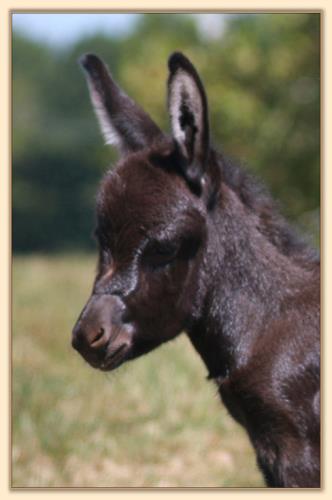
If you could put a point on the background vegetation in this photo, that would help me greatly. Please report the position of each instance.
(156, 422)
(262, 79)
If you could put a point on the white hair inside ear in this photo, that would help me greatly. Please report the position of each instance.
(184, 97)
(110, 134)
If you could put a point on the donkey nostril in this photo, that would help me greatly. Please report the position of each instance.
(99, 337)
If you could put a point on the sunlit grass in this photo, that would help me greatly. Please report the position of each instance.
(154, 422)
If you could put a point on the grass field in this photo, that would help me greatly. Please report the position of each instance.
(156, 422)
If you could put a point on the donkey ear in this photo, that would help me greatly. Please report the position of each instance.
(188, 111)
(123, 123)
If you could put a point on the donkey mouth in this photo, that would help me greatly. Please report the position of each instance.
(115, 358)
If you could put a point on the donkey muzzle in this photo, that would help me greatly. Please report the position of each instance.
(101, 334)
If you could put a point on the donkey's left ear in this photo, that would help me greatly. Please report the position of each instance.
(188, 111)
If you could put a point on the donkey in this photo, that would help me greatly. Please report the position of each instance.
(189, 242)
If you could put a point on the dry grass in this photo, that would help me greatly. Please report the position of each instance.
(154, 422)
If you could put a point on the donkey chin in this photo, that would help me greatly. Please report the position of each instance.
(106, 338)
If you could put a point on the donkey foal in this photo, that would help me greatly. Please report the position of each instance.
(189, 242)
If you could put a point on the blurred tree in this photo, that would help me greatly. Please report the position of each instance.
(269, 93)
(262, 79)
(57, 148)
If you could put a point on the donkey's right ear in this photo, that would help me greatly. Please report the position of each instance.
(123, 123)
(188, 111)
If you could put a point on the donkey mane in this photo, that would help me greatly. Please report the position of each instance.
(255, 196)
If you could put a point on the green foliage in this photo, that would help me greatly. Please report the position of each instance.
(262, 80)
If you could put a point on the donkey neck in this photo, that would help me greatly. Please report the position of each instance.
(246, 279)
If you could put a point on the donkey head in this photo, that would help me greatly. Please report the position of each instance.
(151, 219)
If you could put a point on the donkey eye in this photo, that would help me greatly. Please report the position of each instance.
(160, 255)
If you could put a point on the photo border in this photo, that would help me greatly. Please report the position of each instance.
(8, 7)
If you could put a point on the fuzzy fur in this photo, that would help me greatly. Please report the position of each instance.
(189, 241)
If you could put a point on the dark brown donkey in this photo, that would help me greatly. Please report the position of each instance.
(189, 242)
